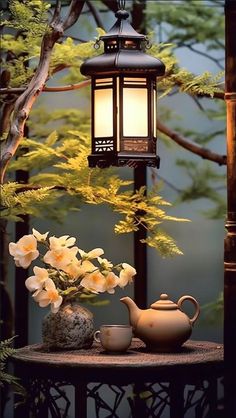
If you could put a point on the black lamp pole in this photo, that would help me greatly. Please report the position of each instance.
(140, 180)
(230, 240)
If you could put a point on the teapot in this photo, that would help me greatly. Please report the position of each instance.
(164, 326)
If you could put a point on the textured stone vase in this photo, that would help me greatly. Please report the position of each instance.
(70, 328)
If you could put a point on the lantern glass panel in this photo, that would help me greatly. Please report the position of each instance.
(103, 113)
(155, 114)
(135, 112)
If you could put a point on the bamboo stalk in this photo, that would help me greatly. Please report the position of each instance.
(230, 240)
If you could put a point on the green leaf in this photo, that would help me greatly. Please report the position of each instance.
(51, 139)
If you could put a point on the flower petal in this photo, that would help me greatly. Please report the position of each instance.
(56, 305)
(95, 253)
(94, 282)
(12, 248)
(32, 284)
(49, 284)
(39, 237)
(26, 260)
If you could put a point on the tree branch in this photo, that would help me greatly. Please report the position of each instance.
(95, 14)
(204, 54)
(191, 146)
(69, 87)
(7, 109)
(19, 90)
(111, 4)
(24, 103)
(75, 10)
(28, 187)
(216, 95)
(155, 176)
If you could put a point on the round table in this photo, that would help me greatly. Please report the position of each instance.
(149, 384)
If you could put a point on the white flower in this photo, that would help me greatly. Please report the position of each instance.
(39, 237)
(49, 295)
(37, 282)
(105, 264)
(61, 258)
(65, 272)
(111, 281)
(24, 251)
(79, 268)
(62, 242)
(94, 282)
(91, 254)
(126, 275)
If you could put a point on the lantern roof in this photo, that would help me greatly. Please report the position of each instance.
(122, 28)
(123, 52)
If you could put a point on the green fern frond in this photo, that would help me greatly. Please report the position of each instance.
(29, 16)
(70, 54)
(15, 202)
(206, 83)
(165, 245)
(20, 74)
(19, 45)
(5, 349)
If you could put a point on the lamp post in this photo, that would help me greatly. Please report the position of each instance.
(123, 97)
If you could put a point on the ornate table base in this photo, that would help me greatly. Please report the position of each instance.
(80, 384)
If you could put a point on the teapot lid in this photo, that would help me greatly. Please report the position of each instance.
(164, 303)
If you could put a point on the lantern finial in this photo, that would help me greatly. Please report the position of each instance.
(121, 4)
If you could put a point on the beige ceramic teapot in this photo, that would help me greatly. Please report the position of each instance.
(164, 326)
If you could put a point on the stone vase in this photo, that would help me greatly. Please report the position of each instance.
(71, 328)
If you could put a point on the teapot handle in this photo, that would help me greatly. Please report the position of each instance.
(196, 304)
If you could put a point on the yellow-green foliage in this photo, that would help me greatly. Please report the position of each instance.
(59, 162)
(206, 83)
(164, 51)
(71, 54)
(181, 78)
(29, 16)
(20, 45)
(28, 23)
(30, 20)
(15, 202)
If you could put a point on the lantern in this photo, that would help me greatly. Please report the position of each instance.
(123, 96)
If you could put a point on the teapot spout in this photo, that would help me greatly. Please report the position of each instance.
(134, 311)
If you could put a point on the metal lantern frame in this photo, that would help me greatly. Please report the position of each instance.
(123, 98)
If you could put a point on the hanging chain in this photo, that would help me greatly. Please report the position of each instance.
(148, 43)
(121, 4)
(97, 44)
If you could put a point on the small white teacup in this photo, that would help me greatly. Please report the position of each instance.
(114, 338)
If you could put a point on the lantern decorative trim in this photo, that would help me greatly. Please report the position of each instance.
(123, 91)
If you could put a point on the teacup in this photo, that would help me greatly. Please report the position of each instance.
(114, 338)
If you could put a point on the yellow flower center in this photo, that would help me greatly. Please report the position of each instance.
(96, 278)
(53, 295)
(59, 257)
(110, 281)
(28, 248)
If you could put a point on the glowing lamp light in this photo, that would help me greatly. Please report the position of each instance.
(123, 97)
